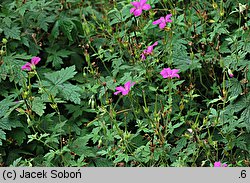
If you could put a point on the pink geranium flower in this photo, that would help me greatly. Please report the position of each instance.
(148, 51)
(124, 90)
(218, 164)
(30, 66)
(163, 21)
(168, 73)
(138, 7)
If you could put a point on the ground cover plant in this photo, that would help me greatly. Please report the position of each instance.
(125, 83)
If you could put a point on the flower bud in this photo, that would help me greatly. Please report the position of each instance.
(53, 106)
(20, 110)
(4, 41)
(230, 73)
(25, 94)
(2, 52)
(222, 12)
(31, 74)
(146, 110)
(215, 5)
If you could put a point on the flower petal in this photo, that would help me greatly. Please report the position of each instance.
(155, 44)
(162, 25)
(142, 2)
(117, 92)
(149, 49)
(164, 73)
(132, 10)
(175, 75)
(120, 88)
(143, 56)
(138, 12)
(125, 92)
(167, 18)
(26, 66)
(146, 7)
(156, 22)
(35, 60)
(136, 4)
(128, 85)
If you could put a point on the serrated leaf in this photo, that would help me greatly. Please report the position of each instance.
(79, 146)
(18, 135)
(103, 162)
(38, 106)
(55, 31)
(43, 20)
(67, 26)
(13, 67)
(56, 55)
(7, 21)
(235, 88)
(4, 125)
(61, 76)
(13, 32)
(245, 116)
(2, 135)
(70, 92)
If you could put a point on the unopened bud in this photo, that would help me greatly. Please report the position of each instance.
(20, 110)
(4, 41)
(215, 6)
(25, 94)
(230, 73)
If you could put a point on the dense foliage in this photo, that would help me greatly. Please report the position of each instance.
(117, 85)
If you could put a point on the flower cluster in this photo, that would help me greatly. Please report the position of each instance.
(31, 65)
(141, 5)
(162, 21)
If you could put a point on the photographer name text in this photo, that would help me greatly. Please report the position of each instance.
(43, 174)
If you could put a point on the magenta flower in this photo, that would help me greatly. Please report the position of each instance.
(30, 66)
(124, 89)
(148, 51)
(163, 21)
(138, 7)
(168, 73)
(218, 164)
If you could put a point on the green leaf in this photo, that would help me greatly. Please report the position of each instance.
(38, 106)
(121, 157)
(67, 26)
(61, 76)
(56, 54)
(43, 21)
(55, 31)
(235, 88)
(57, 84)
(13, 32)
(2, 136)
(70, 92)
(245, 116)
(79, 146)
(18, 135)
(103, 162)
